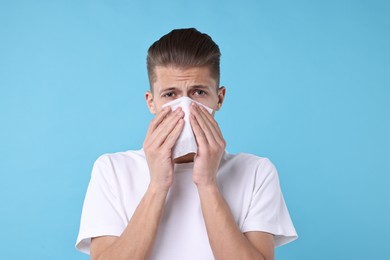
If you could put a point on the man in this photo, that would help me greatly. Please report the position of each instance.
(204, 205)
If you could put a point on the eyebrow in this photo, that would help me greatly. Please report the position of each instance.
(198, 86)
(167, 89)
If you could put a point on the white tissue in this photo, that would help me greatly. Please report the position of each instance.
(186, 142)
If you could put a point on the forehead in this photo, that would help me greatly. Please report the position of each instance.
(170, 76)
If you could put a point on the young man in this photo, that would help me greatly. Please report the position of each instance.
(204, 204)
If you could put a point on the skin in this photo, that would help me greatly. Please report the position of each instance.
(226, 240)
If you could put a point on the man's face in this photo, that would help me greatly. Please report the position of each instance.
(173, 82)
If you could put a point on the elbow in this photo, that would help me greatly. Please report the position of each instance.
(101, 256)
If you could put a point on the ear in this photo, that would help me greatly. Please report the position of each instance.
(150, 102)
(221, 97)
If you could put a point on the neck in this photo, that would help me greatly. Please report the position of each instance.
(185, 158)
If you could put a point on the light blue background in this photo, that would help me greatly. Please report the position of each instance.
(307, 86)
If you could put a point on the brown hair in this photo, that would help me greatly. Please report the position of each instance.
(184, 48)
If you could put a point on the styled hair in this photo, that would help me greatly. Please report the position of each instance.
(184, 48)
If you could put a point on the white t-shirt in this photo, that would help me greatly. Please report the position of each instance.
(249, 184)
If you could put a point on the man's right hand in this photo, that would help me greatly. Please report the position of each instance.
(136, 242)
(162, 134)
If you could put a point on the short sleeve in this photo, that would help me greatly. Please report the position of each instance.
(101, 214)
(268, 211)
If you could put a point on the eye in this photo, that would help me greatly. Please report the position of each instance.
(199, 92)
(169, 94)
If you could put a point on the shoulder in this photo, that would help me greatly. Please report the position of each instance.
(115, 165)
(248, 166)
(248, 161)
(121, 158)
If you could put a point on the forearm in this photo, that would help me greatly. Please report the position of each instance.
(226, 240)
(136, 242)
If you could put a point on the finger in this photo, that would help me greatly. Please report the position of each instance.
(169, 121)
(158, 119)
(198, 132)
(172, 137)
(166, 127)
(215, 126)
(204, 124)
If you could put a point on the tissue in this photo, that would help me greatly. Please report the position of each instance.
(186, 142)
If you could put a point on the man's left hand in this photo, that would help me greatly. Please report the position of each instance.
(211, 146)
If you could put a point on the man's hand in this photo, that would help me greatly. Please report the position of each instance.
(136, 242)
(162, 134)
(226, 239)
(211, 146)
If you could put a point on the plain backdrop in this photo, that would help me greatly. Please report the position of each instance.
(308, 86)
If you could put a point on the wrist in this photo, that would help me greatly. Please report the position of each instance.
(207, 185)
(204, 179)
(158, 189)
